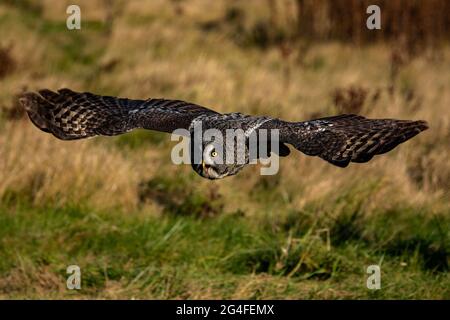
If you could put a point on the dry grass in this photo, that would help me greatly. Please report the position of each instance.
(62, 173)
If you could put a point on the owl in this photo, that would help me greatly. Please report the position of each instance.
(70, 115)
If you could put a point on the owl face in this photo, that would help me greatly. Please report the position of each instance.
(219, 160)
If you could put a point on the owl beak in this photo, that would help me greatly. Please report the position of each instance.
(203, 166)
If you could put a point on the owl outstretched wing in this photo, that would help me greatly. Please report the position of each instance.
(70, 115)
(346, 138)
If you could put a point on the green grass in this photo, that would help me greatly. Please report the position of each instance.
(137, 254)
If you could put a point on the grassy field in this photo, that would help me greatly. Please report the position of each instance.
(141, 227)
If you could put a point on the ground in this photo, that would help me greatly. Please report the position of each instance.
(141, 227)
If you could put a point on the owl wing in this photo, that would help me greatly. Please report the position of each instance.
(346, 138)
(70, 115)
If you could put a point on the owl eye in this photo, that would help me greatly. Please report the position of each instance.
(214, 153)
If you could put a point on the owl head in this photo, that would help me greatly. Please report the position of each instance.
(218, 157)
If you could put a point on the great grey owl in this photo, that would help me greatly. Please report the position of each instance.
(341, 139)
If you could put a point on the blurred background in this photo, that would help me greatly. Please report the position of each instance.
(140, 227)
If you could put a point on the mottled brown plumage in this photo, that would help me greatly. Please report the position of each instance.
(347, 138)
(71, 115)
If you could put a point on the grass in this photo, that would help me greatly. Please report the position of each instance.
(141, 256)
(141, 227)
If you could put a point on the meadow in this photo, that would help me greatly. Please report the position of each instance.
(141, 227)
